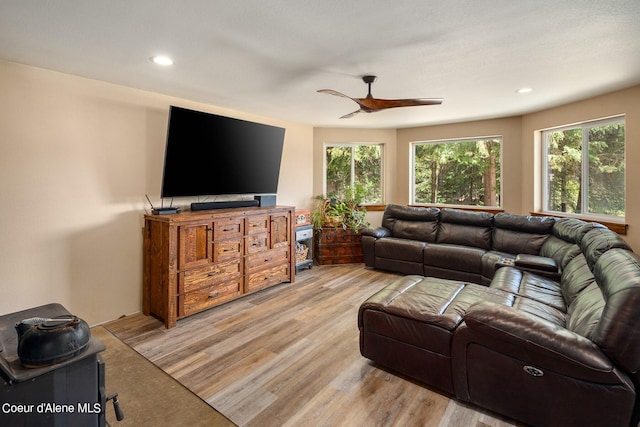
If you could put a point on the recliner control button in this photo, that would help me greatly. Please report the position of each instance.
(533, 371)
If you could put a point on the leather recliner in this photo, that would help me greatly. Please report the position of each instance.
(545, 349)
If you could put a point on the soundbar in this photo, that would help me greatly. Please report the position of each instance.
(205, 206)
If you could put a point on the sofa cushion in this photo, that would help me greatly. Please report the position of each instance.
(401, 249)
(425, 231)
(459, 216)
(457, 234)
(411, 222)
(524, 223)
(519, 234)
(418, 303)
(617, 273)
(530, 286)
(575, 278)
(599, 240)
(541, 310)
(399, 265)
(454, 257)
(517, 242)
(584, 312)
(560, 250)
(466, 228)
(571, 229)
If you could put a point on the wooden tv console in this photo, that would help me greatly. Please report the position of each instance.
(197, 260)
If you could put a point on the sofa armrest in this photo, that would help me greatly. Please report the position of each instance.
(537, 341)
(535, 262)
(377, 232)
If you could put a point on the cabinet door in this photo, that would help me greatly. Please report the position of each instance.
(194, 245)
(280, 230)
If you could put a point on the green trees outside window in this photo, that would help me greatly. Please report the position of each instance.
(585, 168)
(349, 166)
(458, 172)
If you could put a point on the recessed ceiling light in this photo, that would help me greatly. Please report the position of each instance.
(524, 90)
(161, 60)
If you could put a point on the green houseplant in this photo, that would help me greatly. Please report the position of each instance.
(337, 220)
(344, 210)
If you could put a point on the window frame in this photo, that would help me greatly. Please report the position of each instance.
(414, 144)
(584, 168)
(352, 145)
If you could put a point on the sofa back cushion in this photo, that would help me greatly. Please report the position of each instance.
(519, 234)
(575, 278)
(598, 241)
(572, 230)
(617, 273)
(585, 312)
(466, 228)
(560, 250)
(408, 222)
(583, 297)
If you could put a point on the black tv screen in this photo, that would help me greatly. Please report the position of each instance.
(207, 155)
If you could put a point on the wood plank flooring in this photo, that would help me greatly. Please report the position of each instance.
(289, 356)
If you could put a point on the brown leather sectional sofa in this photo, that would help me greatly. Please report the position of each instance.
(532, 317)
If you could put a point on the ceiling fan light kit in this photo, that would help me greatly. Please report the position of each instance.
(369, 104)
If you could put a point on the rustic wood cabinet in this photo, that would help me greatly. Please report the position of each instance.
(337, 246)
(197, 260)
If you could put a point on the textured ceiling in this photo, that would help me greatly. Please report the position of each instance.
(270, 57)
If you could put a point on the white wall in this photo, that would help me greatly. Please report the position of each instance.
(77, 158)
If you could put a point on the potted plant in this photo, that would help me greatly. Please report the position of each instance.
(346, 210)
(337, 221)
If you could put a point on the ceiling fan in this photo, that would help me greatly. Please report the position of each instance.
(371, 104)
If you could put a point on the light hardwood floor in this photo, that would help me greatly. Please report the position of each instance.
(289, 356)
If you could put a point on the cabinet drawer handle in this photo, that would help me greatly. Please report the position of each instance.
(214, 295)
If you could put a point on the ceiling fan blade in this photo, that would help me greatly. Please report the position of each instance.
(346, 116)
(333, 92)
(381, 104)
(363, 106)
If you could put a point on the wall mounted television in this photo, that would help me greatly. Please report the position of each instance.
(210, 155)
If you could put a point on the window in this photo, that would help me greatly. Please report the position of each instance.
(457, 172)
(585, 168)
(354, 166)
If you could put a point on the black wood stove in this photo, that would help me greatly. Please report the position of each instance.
(68, 393)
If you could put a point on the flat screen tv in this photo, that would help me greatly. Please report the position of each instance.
(209, 155)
